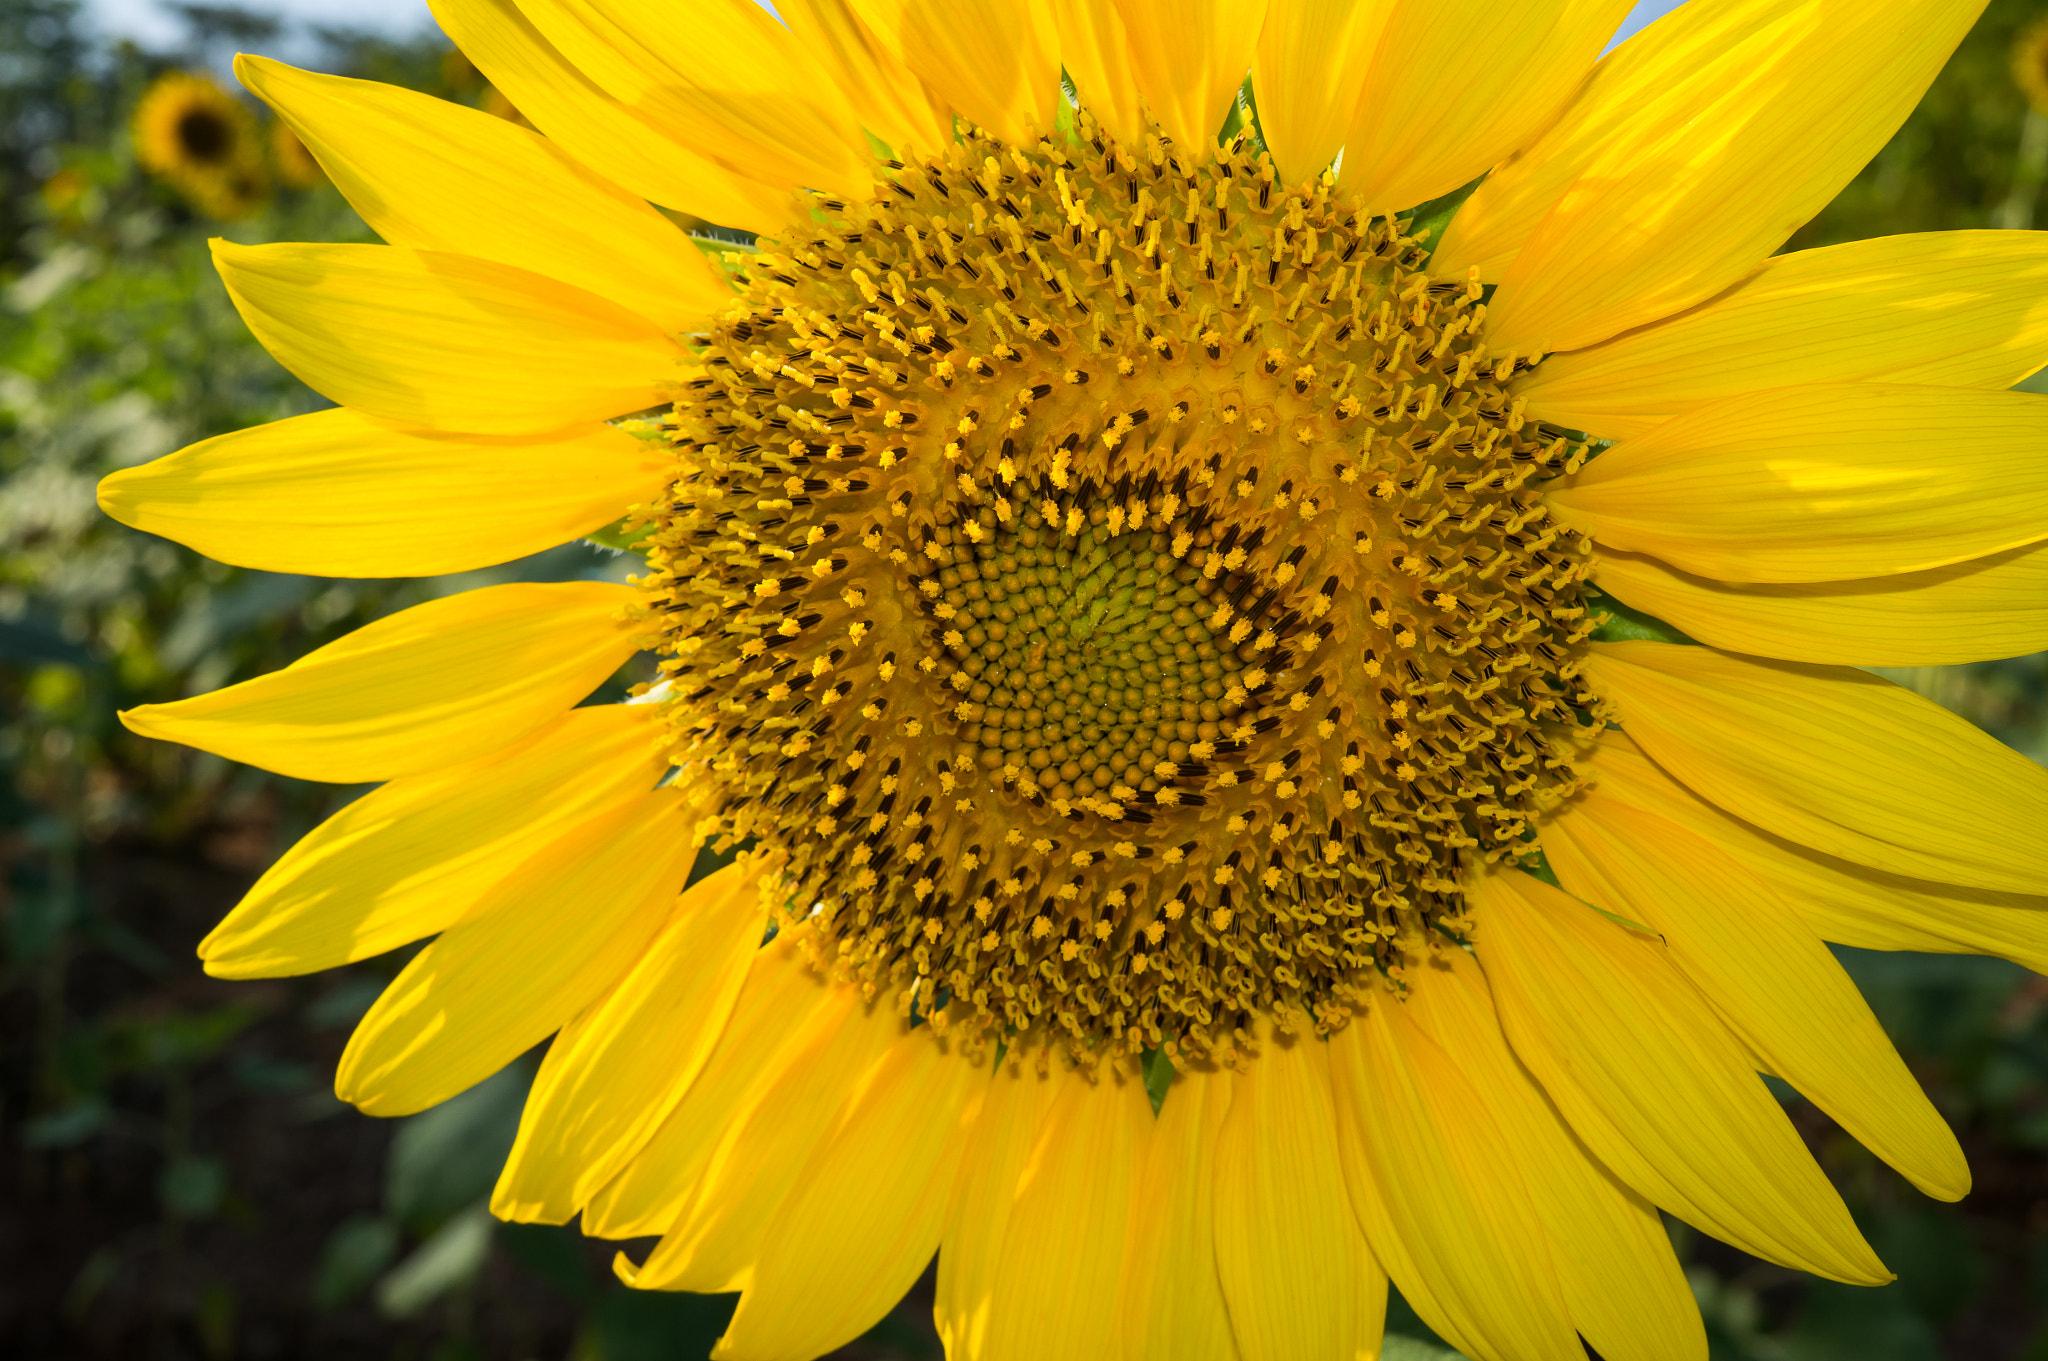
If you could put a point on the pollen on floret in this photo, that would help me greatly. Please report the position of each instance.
(1110, 586)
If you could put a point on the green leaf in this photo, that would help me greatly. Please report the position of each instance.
(445, 1158)
(191, 1188)
(1625, 625)
(651, 1325)
(1159, 1072)
(449, 1259)
(1535, 862)
(618, 537)
(1243, 117)
(1401, 1347)
(1428, 220)
(357, 1252)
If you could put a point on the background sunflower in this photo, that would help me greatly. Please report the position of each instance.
(190, 1186)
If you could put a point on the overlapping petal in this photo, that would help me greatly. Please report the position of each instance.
(1006, 1138)
(1849, 903)
(1710, 142)
(783, 1009)
(431, 686)
(758, 1149)
(1095, 53)
(336, 494)
(994, 62)
(614, 1073)
(444, 341)
(865, 1215)
(1954, 309)
(1613, 1259)
(1297, 1275)
(1837, 760)
(1307, 74)
(534, 950)
(419, 854)
(1054, 1290)
(1823, 483)
(1173, 1307)
(1653, 1082)
(433, 175)
(1450, 1218)
(1766, 972)
(1966, 612)
(753, 96)
(1188, 58)
(1457, 85)
(626, 146)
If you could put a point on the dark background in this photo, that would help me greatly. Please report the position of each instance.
(177, 1179)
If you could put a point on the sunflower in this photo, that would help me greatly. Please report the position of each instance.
(203, 142)
(1140, 605)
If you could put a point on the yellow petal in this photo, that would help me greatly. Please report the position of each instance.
(1840, 901)
(994, 61)
(439, 683)
(1188, 58)
(1672, 70)
(783, 1008)
(336, 494)
(1006, 1134)
(412, 858)
(1298, 1278)
(1456, 85)
(445, 341)
(864, 1219)
(1652, 1081)
(1966, 612)
(640, 153)
(1837, 760)
(1307, 72)
(750, 92)
(1697, 184)
(615, 1072)
(1613, 1258)
(1765, 971)
(1823, 483)
(1447, 1215)
(562, 926)
(1955, 309)
(891, 103)
(439, 176)
(1173, 1306)
(1096, 55)
(1054, 1289)
(760, 1154)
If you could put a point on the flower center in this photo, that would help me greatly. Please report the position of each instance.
(204, 135)
(1108, 581)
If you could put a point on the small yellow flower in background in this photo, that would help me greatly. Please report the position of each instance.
(2030, 64)
(1137, 599)
(295, 165)
(203, 142)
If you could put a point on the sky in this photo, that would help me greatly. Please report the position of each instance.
(154, 25)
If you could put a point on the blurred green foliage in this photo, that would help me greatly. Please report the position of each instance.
(180, 1182)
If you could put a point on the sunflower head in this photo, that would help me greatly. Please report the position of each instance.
(1106, 576)
(203, 142)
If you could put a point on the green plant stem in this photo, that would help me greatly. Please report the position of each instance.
(2030, 166)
